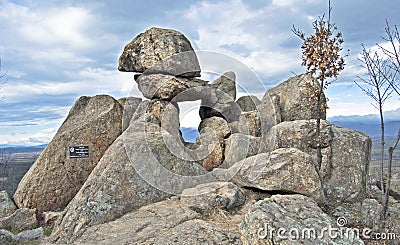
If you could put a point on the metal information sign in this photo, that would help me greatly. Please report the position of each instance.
(78, 151)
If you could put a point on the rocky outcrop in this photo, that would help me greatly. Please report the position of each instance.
(212, 196)
(284, 219)
(165, 222)
(162, 51)
(346, 155)
(55, 177)
(297, 98)
(287, 170)
(21, 219)
(122, 182)
(7, 206)
(151, 186)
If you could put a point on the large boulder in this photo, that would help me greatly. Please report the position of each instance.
(137, 169)
(394, 189)
(162, 51)
(346, 155)
(297, 98)
(21, 219)
(217, 124)
(55, 177)
(250, 123)
(167, 87)
(166, 222)
(248, 145)
(210, 144)
(286, 170)
(248, 102)
(291, 219)
(158, 114)
(213, 196)
(7, 206)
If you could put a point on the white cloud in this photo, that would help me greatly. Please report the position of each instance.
(90, 81)
(65, 26)
(38, 138)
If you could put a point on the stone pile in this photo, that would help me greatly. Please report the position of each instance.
(142, 183)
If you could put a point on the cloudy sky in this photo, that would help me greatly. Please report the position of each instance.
(55, 51)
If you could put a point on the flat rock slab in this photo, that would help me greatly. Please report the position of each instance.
(165, 222)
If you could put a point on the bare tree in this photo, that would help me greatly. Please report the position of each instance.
(392, 53)
(321, 56)
(377, 85)
(383, 79)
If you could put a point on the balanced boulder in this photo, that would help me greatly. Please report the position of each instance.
(162, 51)
(55, 177)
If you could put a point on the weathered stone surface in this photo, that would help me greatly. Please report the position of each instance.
(160, 51)
(367, 213)
(129, 106)
(250, 123)
(298, 98)
(219, 99)
(165, 222)
(225, 87)
(286, 170)
(167, 87)
(212, 196)
(34, 234)
(21, 219)
(394, 189)
(7, 206)
(50, 217)
(217, 124)
(161, 113)
(7, 237)
(270, 112)
(290, 215)
(248, 145)
(136, 170)
(55, 178)
(346, 155)
(213, 143)
(248, 103)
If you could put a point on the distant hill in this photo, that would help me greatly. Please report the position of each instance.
(21, 149)
(372, 128)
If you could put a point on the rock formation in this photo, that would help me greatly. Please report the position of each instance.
(253, 163)
(55, 177)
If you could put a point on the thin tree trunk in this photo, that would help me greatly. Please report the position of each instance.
(382, 149)
(389, 174)
(318, 128)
